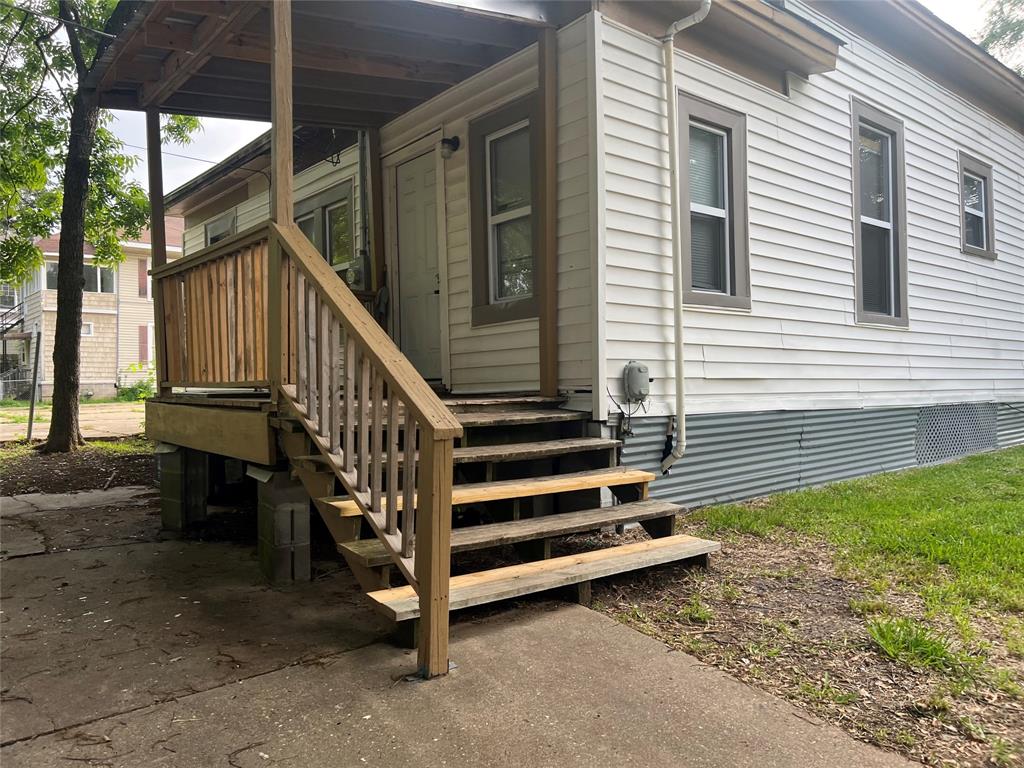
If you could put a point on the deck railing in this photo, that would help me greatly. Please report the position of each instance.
(265, 309)
(215, 314)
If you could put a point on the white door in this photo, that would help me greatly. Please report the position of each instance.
(419, 284)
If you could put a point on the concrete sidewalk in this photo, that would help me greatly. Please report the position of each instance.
(174, 653)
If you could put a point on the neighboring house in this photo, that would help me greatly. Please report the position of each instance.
(117, 316)
(795, 229)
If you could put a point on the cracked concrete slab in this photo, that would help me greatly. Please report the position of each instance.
(554, 685)
(32, 524)
(87, 633)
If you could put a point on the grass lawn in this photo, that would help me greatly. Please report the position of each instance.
(954, 533)
(892, 605)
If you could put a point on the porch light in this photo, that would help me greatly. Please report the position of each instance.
(449, 146)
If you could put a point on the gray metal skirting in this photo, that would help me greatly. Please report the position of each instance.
(734, 456)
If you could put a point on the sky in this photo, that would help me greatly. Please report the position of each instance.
(220, 138)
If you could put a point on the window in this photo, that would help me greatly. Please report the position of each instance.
(880, 234)
(88, 329)
(712, 153)
(8, 296)
(503, 186)
(328, 220)
(97, 279)
(220, 228)
(977, 221)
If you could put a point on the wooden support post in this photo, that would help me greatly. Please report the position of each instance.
(547, 220)
(433, 551)
(281, 206)
(158, 242)
(376, 204)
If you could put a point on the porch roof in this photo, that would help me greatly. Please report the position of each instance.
(356, 64)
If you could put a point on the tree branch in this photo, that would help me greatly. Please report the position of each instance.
(69, 13)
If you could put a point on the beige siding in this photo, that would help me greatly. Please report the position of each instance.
(133, 311)
(309, 182)
(799, 346)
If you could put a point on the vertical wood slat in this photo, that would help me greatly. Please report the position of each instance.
(232, 318)
(259, 256)
(409, 467)
(214, 306)
(334, 342)
(350, 393)
(364, 422)
(293, 276)
(312, 405)
(391, 500)
(247, 329)
(302, 340)
(225, 328)
(376, 444)
(323, 358)
(286, 319)
(239, 299)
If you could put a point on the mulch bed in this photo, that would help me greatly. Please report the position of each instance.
(775, 614)
(79, 471)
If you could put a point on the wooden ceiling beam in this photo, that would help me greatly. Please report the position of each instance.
(311, 96)
(127, 53)
(412, 46)
(234, 70)
(253, 47)
(436, 21)
(259, 109)
(181, 64)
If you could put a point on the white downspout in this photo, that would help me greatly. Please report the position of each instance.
(668, 49)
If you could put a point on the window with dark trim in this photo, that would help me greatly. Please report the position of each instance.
(713, 198)
(220, 228)
(879, 216)
(977, 223)
(328, 220)
(503, 185)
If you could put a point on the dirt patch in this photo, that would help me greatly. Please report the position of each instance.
(775, 614)
(129, 462)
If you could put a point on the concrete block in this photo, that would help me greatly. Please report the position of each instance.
(283, 526)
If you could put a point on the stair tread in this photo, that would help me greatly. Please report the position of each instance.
(530, 450)
(372, 552)
(469, 493)
(516, 417)
(402, 603)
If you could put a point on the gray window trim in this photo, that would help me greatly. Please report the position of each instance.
(484, 311)
(862, 112)
(734, 124)
(981, 170)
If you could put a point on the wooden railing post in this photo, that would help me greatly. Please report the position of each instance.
(275, 328)
(433, 550)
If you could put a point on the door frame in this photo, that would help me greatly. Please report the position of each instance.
(428, 143)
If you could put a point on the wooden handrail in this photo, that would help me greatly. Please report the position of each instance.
(387, 357)
(221, 248)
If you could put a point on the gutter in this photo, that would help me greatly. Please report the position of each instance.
(668, 49)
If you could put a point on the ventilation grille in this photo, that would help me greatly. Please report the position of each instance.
(948, 431)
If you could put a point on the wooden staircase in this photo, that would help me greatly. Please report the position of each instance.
(526, 474)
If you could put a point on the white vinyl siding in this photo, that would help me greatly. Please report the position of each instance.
(799, 346)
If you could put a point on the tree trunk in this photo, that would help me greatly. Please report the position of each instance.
(64, 431)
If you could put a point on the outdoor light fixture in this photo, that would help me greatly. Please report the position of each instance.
(449, 146)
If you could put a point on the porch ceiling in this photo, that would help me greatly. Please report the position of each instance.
(357, 64)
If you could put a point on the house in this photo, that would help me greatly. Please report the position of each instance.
(117, 318)
(724, 248)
